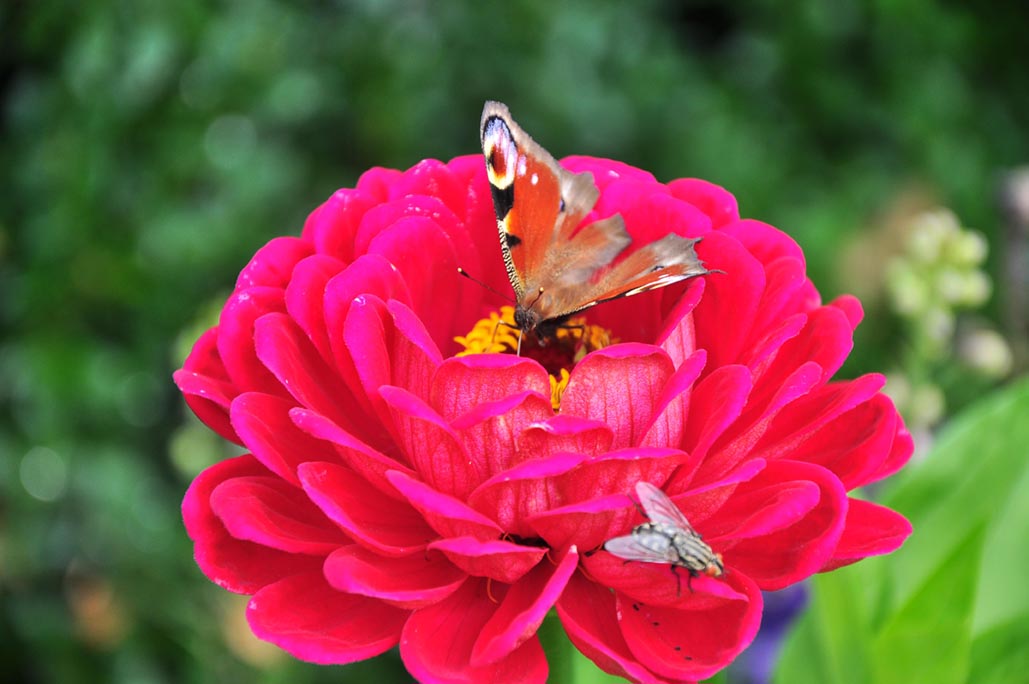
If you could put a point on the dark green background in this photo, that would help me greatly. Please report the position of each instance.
(149, 148)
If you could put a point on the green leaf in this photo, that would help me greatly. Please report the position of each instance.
(967, 479)
(929, 638)
(1000, 656)
(830, 643)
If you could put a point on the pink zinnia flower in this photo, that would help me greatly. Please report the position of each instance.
(397, 492)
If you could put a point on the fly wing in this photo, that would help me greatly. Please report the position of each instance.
(659, 508)
(629, 548)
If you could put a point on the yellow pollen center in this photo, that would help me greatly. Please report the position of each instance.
(576, 338)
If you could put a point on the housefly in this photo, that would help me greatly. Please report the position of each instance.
(667, 538)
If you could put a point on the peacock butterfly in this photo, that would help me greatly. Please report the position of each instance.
(555, 269)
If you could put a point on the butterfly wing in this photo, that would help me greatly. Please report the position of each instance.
(539, 204)
(659, 508)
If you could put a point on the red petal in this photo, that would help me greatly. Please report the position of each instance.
(900, 453)
(715, 403)
(305, 299)
(523, 609)
(678, 336)
(273, 264)
(619, 386)
(666, 428)
(586, 523)
(786, 556)
(587, 611)
(714, 200)
(306, 617)
(492, 429)
(206, 385)
(564, 433)
(502, 561)
(871, 530)
(514, 495)
(270, 512)
(855, 444)
(765, 242)
(263, 423)
(240, 566)
(363, 459)
(437, 641)
(386, 525)
(287, 352)
(236, 338)
(725, 316)
(410, 582)
(431, 445)
(660, 583)
(696, 638)
(445, 514)
(332, 226)
(464, 382)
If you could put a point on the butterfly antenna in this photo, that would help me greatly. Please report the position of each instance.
(461, 271)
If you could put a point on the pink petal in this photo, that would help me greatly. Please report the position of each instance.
(763, 505)
(660, 583)
(522, 610)
(464, 382)
(797, 422)
(389, 346)
(409, 582)
(436, 643)
(236, 338)
(239, 566)
(491, 429)
(378, 182)
(784, 294)
(362, 458)
(368, 275)
(855, 444)
(696, 638)
(588, 614)
(678, 336)
(738, 442)
(514, 495)
(383, 524)
(262, 421)
(826, 340)
(431, 445)
(871, 530)
(715, 403)
(305, 299)
(700, 501)
(270, 512)
(431, 178)
(273, 264)
(303, 615)
(206, 385)
(725, 315)
(788, 555)
(719, 204)
(617, 472)
(287, 352)
(851, 307)
(445, 514)
(900, 453)
(564, 433)
(585, 523)
(332, 226)
(765, 242)
(666, 427)
(500, 560)
(427, 260)
(620, 386)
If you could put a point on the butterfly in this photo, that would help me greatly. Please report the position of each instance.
(667, 538)
(556, 267)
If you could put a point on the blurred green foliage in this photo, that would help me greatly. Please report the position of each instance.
(148, 148)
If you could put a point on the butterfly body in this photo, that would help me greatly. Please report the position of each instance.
(667, 538)
(556, 266)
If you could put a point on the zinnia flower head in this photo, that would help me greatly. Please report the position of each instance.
(401, 490)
